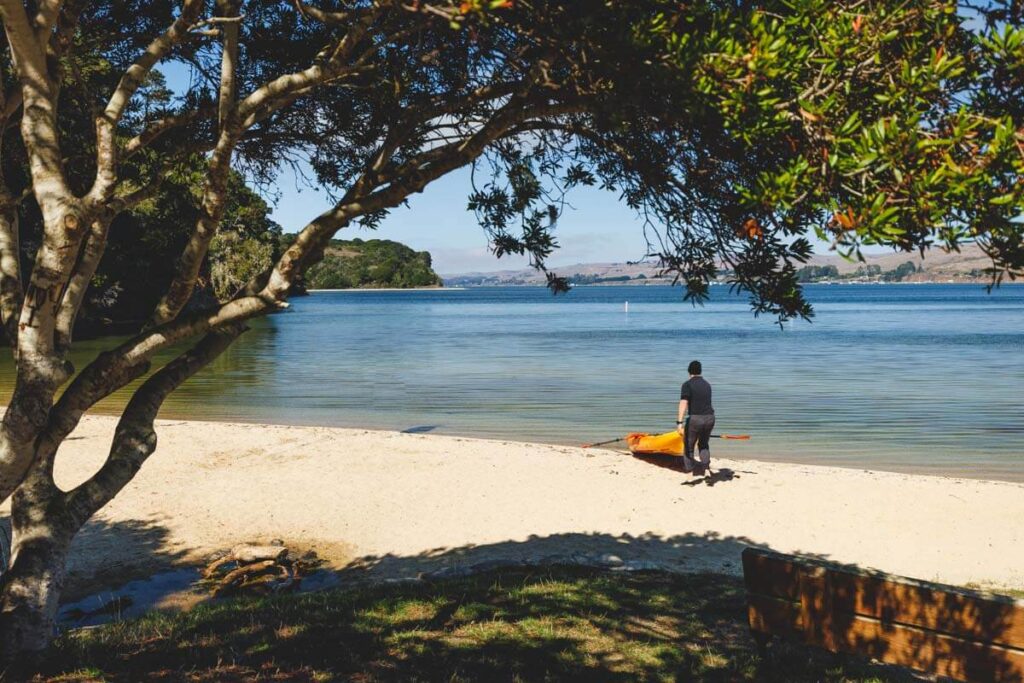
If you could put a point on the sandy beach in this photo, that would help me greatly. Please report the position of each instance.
(400, 504)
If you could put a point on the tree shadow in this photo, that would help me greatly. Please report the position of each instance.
(142, 550)
(120, 570)
(682, 553)
(514, 610)
(583, 606)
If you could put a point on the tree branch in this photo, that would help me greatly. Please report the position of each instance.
(219, 167)
(162, 126)
(135, 437)
(228, 9)
(257, 105)
(409, 178)
(46, 17)
(74, 294)
(212, 210)
(39, 123)
(283, 87)
(325, 17)
(106, 123)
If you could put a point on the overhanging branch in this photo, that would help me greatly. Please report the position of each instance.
(135, 438)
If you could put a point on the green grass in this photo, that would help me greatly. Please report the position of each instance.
(530, 625)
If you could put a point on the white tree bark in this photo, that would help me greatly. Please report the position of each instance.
(42, 533)
(42, 318)
(10, 267)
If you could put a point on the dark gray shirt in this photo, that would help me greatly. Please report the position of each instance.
(697, 392)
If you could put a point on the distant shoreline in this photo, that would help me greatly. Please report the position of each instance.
(667, 283)
(388, 289)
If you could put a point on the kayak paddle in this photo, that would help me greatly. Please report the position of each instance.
(602, 443)
(735, 437)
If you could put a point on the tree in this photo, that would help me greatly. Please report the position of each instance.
(900, 272)
(814, 273)
(377, 263)
(138, 260)
(733, 127)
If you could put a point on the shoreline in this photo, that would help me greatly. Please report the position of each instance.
(390, 505)
(659, 282)
(389, 289)
(781, 459)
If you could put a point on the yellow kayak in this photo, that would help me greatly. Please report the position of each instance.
(669, 443)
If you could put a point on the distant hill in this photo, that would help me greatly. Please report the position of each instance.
(371, 264)
(968, 265)
(584, 273)
(937, 266)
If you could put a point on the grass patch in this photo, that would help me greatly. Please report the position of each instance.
(556, 623)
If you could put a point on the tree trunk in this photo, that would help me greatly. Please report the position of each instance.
(31, 588)
(10, 267)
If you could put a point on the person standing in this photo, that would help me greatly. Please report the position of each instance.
(696, 417)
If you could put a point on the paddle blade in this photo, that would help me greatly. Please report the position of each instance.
(735, 437)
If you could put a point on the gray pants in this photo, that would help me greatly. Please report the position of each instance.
(698, 438)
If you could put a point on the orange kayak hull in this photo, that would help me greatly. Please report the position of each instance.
(669, 443)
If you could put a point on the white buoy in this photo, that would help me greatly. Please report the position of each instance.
(626, 307)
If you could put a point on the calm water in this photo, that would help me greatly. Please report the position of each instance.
(922, 378)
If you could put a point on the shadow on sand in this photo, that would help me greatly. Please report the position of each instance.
(144, 542)
(159, 578)
(501, 611)
(700, 475)
(628, 603)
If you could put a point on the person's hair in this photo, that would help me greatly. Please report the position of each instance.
(694, 368)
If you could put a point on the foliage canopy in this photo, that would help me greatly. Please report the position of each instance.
(733, 128)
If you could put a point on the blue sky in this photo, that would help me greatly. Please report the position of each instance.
(597, 228)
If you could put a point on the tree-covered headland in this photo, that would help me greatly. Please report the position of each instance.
(371, 264)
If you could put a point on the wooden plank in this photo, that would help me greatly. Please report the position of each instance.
(939, 608)
(816, 606)
(987, 618)
(891, 643)
(775, 616)
(766, 573)
(927, 651)
(929, 627)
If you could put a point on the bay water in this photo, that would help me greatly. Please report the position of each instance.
(924, 378)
